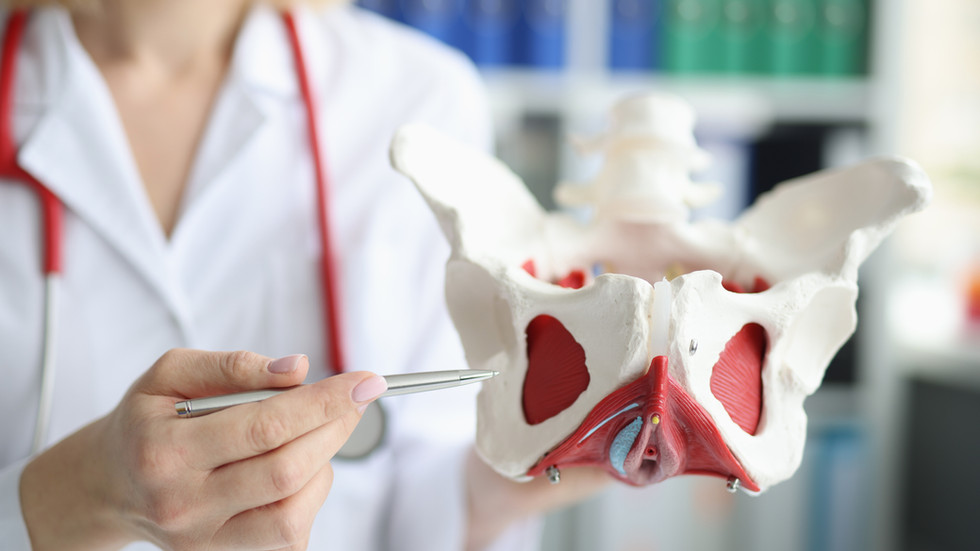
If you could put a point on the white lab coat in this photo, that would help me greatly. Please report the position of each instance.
(239, 271)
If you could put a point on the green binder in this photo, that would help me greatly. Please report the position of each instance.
(795, 40)
(745, 26)
(693, 38)
(844, 34)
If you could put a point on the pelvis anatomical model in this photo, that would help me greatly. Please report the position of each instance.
(641, 342)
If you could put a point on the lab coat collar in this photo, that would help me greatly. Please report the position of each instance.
(264, 59)
(262, 77)
(77, 148)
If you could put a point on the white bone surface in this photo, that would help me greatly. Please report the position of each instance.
(807, 238)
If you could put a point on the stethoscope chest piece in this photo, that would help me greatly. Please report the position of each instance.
(368, 435)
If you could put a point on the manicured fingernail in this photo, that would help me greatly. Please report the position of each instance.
(369, 389)
(286, 364)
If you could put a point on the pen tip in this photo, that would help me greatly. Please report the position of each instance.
(494, 373)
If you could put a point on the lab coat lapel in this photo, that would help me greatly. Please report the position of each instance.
(264, 59)
(258, 66)
(78, 149)
(262, 84)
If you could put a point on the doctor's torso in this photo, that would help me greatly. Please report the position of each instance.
(240, 270)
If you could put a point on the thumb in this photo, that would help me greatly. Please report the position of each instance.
(197, 373)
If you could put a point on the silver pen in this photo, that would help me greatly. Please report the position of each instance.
(407, 383)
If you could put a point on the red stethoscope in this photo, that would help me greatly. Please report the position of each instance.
(52, 212)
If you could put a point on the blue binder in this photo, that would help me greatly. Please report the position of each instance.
(542, 29)
(388, 8)
(437, 18)
(491, 31)
(634, 34)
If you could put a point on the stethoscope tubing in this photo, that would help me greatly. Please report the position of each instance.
(52, 214)
(52, 297)
(52, 210)
(331, 300)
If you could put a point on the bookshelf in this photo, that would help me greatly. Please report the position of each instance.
(752, 99)
(773, 60)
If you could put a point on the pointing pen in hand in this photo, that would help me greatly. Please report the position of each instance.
(408, 383)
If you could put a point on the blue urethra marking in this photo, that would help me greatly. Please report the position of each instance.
(622, 444)
(606, 420)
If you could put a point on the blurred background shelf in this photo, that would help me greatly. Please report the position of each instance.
(718, 99)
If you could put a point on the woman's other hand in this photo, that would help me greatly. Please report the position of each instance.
(250, 477)
(494, 502)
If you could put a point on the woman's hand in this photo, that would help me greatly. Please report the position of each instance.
(494, 502)
(249, 477)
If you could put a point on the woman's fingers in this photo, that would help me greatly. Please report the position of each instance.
(284, 524)
(281, 473)
(253, 429)
(196, 373)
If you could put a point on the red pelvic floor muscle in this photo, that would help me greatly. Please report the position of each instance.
(736, 379)
(575, 279)
(684, 436)
(556, 370)
(759, 284)
(530, 268)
